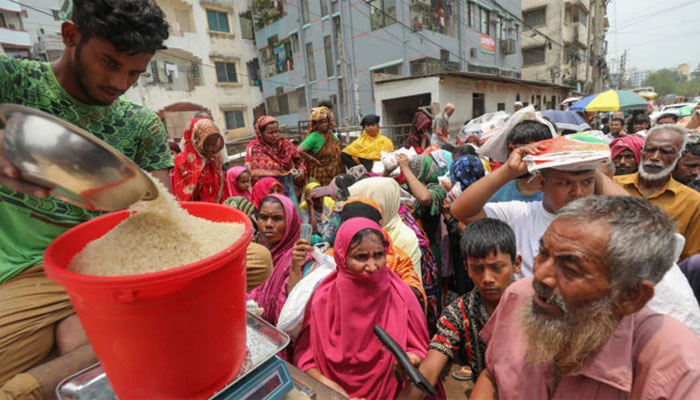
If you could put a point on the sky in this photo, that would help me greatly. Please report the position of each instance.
(656, 33)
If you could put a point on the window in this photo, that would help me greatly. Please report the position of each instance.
(473, 16)
(484, 19)
(533, 18)
(277, 57)
(226, 72)
(183, 20)
(382, 13)
(310, 62)
(478, 104)
(305, 19)
(234, 119)
(444, 55)
(583, 18)
(533, 55)
(295, 42)
(501, 107)
(328, 49)
(246, 19)
(218, 21)
(314, 102)
(324, 8)
(390, 70)
(3, 24)
(253, 72)
(301, 98)
(282, 101)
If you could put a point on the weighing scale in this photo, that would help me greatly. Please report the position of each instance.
(263, 376)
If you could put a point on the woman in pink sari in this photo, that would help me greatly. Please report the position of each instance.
(279, 226)
(337, 344)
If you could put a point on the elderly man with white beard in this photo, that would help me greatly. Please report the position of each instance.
(579, 328)
(653, 181)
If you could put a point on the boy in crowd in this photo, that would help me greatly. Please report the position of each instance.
(489, 248)
(523, 188)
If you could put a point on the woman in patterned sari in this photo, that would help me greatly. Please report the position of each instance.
(198, 174)
(321, 148)
(275, 156)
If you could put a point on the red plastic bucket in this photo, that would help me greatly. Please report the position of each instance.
(179, 333)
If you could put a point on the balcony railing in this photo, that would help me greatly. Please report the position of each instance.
(15, 38)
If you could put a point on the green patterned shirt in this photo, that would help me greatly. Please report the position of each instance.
(28, 224)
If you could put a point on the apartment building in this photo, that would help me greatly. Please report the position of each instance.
(564, 43)
(14, 38)
(331, 50)
(210, 64)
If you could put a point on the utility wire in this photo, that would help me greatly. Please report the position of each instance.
(32, 8)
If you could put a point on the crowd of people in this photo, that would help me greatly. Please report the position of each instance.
(562, 283)
(431, 249)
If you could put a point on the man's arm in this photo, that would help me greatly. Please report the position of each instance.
(431, 368)
(607, 187)
(469, 206)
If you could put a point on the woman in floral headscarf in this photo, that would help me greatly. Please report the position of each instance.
(198, 174)
(321, 148)
(275, 156)
(421, 129)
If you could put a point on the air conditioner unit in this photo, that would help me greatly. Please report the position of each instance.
(425, 3)
(266, 53)
(508, 46)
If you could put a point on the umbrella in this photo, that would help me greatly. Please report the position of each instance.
(686, 111)
(566, 120)
(612, 100)
(570, 100)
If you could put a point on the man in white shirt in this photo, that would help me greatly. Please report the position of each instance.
(529, 221)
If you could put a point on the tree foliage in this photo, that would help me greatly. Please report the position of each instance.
(667, 81)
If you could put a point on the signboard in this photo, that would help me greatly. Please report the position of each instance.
(488, 43)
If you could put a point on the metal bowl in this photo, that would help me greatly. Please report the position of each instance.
(75, 165)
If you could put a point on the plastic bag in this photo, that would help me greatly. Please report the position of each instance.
(577, 152)
(292, 315)
(496, 147)
(484, 126)
(390, 161)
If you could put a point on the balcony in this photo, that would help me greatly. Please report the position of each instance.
(576, 34)
(14, 38)
(583, 4)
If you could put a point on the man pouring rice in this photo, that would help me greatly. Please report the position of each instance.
(109, 44)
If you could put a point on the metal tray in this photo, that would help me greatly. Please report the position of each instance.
(263, 341)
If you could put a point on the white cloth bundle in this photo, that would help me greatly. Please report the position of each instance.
(496, 147)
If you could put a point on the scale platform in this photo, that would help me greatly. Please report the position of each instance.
(261, 377)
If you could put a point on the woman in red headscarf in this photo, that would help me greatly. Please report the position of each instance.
(421, 129)
(337, 344)
(275, 156)
(198, 174)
